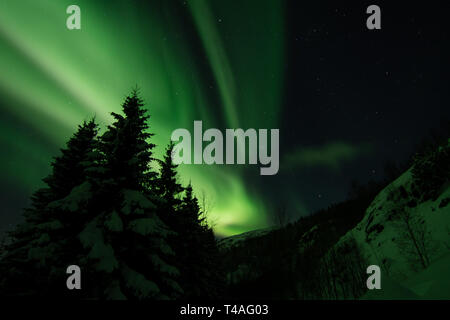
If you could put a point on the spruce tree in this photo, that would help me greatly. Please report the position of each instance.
(35, 258)
(202, 273)
(197, 254)
(127, 149)
(126, 242)
(169, 190)
(167, 185)
(104, 209)
(431, 170)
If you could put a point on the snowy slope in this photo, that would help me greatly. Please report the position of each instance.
(242, 271)
(431, 283)
(237, 240)
(377, 236)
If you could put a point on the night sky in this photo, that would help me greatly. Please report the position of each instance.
(346, 99)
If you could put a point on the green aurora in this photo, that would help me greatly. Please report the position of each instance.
(216, 61)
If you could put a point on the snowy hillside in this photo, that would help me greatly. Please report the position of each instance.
(403, 227)
(409, 268)
(236, 240)
(431, 283)
(243, 270)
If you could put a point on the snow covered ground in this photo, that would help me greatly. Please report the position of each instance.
(377, 236)
(236, 240)
(431, 283)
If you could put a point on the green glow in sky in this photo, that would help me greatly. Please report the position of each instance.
(53, 78)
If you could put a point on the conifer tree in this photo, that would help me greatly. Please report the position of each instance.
(69, 170)
(202, 273)
(39, 244)
(431, 170)
(168, 186)
(126, 242)
(169, 190)
(105, 210)
(194, 242)
(126, 147)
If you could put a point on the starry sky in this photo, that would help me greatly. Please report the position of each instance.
(346, 99)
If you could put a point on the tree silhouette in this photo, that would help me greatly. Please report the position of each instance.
(126, 241)
(127, 226)
(38, 250)
(201, 269)
(167, 185)
(414, 240)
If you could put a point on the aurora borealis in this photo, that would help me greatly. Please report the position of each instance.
(53, 78)
(343, 102)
